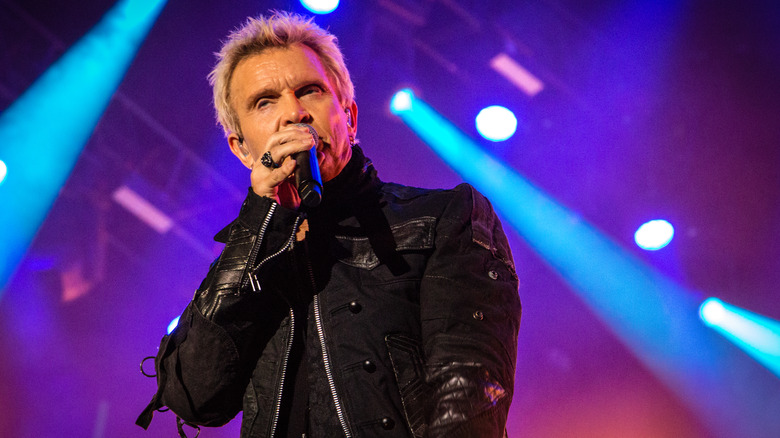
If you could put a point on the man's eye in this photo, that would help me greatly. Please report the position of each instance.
(311, 89)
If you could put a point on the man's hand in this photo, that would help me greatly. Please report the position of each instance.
(278, 183)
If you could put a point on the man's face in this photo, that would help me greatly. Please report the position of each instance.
(282, 86)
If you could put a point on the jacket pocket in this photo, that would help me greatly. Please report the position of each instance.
(407, 358)
(366, 252)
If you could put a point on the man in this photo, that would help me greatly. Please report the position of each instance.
(384, 311)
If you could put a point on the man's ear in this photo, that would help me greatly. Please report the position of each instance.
(352, 111)
(240, 150)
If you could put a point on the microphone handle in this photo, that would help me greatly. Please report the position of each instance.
(308, 180)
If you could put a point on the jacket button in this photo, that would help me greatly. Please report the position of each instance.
(493, 275)
(355, 307)
(369, 366)
(387, 423)
(478, 315)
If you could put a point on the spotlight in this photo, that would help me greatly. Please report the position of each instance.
(402, 101)
(496, 123)
(755, 334)
(3, 171)
(654, 235)
(712, 311)
(320, 6)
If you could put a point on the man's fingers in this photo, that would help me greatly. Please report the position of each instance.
(273, 175)
(279, 153)
(270, 170)
(297, 136)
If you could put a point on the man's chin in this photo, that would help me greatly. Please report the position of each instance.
(327, 173)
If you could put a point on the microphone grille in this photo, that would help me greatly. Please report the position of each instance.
(312, 131)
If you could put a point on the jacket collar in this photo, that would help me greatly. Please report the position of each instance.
(355, 186)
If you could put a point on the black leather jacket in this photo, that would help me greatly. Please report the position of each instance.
(413, 315)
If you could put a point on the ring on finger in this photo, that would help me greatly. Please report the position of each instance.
(268, 161)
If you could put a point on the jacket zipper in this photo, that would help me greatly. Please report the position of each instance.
(328, 370)
(256, 249)
(285, 359)
(255, 282)
(289, 244)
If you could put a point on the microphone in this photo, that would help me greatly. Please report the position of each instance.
(308, 180)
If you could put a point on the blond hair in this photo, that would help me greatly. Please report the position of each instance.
(280, 29)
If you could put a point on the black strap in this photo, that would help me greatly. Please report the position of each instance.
(180, 423)
(146, 416)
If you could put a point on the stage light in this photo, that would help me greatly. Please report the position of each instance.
(516, 74)
(654, 235)
(144, 210)
(496, 123)
(755, 334)
(320, 6)
(402, 101)
(653, 316)
(3, 171)
(712, 311)
(173, 324)
(43, 132)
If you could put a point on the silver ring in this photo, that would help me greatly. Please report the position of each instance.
(269, 162)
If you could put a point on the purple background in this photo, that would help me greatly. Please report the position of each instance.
(651, 109)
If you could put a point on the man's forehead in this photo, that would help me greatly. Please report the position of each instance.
(293, 63)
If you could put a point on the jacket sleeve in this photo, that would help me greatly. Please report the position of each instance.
(204, 365)
(470, 315)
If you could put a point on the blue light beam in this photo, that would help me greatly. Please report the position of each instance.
(755, 334)
(43, 132)
(650, 314)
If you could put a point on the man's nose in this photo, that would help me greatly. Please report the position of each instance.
(295, 112)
